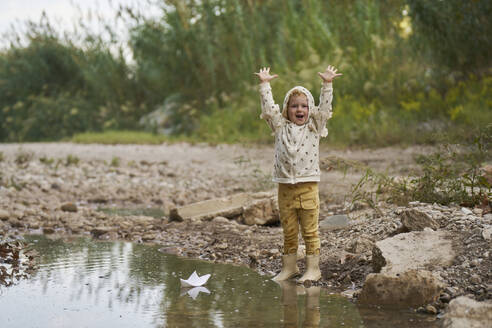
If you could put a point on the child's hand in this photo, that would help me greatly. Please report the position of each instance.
(329, 74)
(265, 76)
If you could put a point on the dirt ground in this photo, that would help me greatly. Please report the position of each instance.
(60, 188)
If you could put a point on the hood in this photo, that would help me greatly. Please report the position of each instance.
(309, 97)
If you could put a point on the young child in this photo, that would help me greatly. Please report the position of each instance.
(298, 128)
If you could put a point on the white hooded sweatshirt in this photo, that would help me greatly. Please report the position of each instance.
(297, 146)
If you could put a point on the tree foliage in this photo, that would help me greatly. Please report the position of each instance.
(193, 65)
(455, 34)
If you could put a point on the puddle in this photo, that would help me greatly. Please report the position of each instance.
(84, 283)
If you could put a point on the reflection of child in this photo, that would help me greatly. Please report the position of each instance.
(298, 129)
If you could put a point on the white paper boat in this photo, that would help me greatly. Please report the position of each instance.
(194, 280)
(193, 292)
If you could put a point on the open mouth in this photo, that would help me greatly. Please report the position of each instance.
(300, 116)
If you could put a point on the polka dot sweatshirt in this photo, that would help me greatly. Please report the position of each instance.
(297, 146)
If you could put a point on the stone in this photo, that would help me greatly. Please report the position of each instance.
(464, 312)
(334, 222)
(261, 212)
(360, 245)
(475, 279)
(220, 220)
(415, 220)
(466, 211)
(445, 298)
(413, 250)
(430, 309)
(149, 236)
(48, 230)
(99, 231)
(4, 215)
(229, 207)
(412, 288)
(487, 232)
(69, 207)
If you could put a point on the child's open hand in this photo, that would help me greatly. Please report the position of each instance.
(265, 76)
(329, 74)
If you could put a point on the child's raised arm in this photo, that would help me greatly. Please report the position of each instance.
(264, 75)
(329, 74)
(269, 110)
(324, 110)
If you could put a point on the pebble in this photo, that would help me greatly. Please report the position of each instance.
(69, 207)
(477, 211)
(475, 279)
(445, 298)
(430, 309)
(4, 215)
(487, 233)
(466, 211)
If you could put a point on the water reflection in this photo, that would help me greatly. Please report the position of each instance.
(82, 283)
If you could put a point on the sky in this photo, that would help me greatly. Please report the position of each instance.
(61, 12)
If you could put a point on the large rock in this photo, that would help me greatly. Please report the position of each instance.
(414, 250)
(404, 263)
(415, 220)
(412, 288)
(259, 208)
(464, 312)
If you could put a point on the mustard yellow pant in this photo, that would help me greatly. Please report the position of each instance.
(299, 205)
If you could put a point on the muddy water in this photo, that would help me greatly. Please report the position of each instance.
(83, 283)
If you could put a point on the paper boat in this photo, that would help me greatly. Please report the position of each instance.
(193, 292)
(194, 280)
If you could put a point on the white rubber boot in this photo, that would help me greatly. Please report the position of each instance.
(289, 267)
(312, 269)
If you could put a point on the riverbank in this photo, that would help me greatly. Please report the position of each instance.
(126, 192)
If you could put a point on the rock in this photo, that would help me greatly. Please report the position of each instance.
(415, 220)
(412, 288)
(99, 231)
(451, 290)
(360, 245)
(464, 312)
(413, 250)
(48, 230)
(4, 215)
(16, 223)
(170, 250)
(487, 232)
(475, 279)
(334, 222)
(466, 211)
(445, 298)
(477, 211)
(220, 220)
(430, 309)
(260, 208)
(261, 212)
(149, 236)
(69, 207)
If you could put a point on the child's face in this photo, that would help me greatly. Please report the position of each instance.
(298, 109)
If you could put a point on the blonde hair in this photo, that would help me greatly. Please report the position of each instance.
(295, 93)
